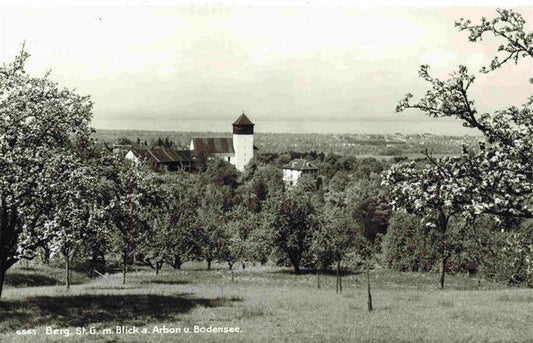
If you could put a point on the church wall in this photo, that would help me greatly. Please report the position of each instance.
(244, 150)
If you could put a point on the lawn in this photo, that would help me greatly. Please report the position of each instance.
(266, 304)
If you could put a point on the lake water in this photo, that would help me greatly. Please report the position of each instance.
(395, 124)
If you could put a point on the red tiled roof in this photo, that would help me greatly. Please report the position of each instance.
(184, 155)
(300, 164)
(213, 145)
(168, 155)
(137, 151)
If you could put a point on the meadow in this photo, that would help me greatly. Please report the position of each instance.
(265, 303)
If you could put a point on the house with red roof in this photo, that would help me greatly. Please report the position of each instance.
(293, 170)
(160, 158)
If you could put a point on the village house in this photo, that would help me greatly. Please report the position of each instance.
(293, 170)
(160, 157)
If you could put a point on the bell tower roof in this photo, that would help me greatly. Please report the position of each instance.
(243, 120)
(243, 126)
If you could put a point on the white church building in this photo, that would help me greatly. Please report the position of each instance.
(237, 150)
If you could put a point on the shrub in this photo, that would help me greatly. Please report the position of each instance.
(406, 247)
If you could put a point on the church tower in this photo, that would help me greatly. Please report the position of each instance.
(243, 141)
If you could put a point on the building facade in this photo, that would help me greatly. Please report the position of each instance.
(293, 170)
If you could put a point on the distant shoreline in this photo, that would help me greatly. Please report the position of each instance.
(228, 133)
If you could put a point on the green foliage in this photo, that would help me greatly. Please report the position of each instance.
(508, 256)
(406, 246)
(334, 237)
(210, 233)
(164, 142)
(475, 248)
(259, 245)
(293, 222)
(182, 205)
(238, 228)
(131, 194)
(225, 177)
(125, 141)
(307, 183)
(369, 205)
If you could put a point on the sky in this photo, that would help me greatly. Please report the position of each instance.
(291, 66)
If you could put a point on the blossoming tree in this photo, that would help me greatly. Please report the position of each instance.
(497, 178)
(41, 125)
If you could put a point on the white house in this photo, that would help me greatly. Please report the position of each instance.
(293, 170)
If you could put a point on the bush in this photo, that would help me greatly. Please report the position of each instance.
(509, 257)
(406, 247)
(476, 248)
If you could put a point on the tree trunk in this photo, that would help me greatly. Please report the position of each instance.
(296, 268)
(243, 266)
(443, 225)
(368, 286)
(337, 284)
(318, 277)
(177, 262)
(209, 264)
(295, 261)
(230, 266)
(67, 270)
(8, 239)
(339, 275)
(442, 272)
(124, 266)
(232, 278)
(156, 268)
(2, 275)
(6, 262)
(45, 256)
(337, 280)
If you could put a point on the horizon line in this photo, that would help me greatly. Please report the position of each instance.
(298, 133)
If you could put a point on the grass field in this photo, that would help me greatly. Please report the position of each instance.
(267, 304)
